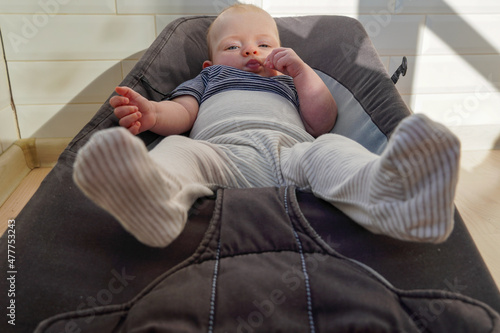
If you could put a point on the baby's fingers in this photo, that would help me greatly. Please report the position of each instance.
(125, 110)
(131, 94)
(271, 59)
(117, 101)
(278, 59)
(130, 120)
(135, 128)
(124, 91)
(269, 62)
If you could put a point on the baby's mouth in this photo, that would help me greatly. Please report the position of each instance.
(253, 64)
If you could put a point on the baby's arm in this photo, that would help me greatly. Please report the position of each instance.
(139, 114)
(317, 106)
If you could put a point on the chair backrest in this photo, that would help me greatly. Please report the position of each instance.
(337, 47)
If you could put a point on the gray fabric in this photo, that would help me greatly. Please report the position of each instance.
(274, 274)
(352, 121)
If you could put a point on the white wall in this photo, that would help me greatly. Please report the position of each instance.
(8, 125)
(66, 56)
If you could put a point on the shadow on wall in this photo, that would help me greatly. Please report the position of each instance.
(468, 33)
(73, 115)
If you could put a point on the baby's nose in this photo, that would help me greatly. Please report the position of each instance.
(250, 50)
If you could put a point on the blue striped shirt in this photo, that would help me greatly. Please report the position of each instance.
(218, 78)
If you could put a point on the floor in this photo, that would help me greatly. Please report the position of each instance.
(477, 199)
(21, 195)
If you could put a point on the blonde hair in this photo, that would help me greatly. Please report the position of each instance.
(241, 7)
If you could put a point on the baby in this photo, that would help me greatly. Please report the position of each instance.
(259, 116)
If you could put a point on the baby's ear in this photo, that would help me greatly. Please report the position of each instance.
(207, 63)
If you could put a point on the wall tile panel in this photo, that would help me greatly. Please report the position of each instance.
(54, 121)
(56, 82)
(393, 34)
(328, 7)
(464, 34)
(77, 37)
(8, 128)
(54, 7)
(174, 7)
(467, 109)
(447, 6)
(4, 82)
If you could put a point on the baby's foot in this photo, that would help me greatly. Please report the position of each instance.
(116, 172)
(414, 187)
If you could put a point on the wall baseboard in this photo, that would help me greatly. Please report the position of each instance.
(25, 155)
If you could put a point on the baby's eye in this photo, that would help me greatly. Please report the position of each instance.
(264, 45)
(232, 47)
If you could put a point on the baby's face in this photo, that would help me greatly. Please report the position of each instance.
(244, 40)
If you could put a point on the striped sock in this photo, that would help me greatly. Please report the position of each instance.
(412, 185)
(115, 171)
(406, 193)
(415, 181)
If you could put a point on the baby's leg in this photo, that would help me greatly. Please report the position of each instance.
(407, 192)
(115, 170)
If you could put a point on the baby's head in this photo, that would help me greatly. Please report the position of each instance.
(242, 36)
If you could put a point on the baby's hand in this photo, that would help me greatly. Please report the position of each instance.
(286, 61)
(134, 111)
